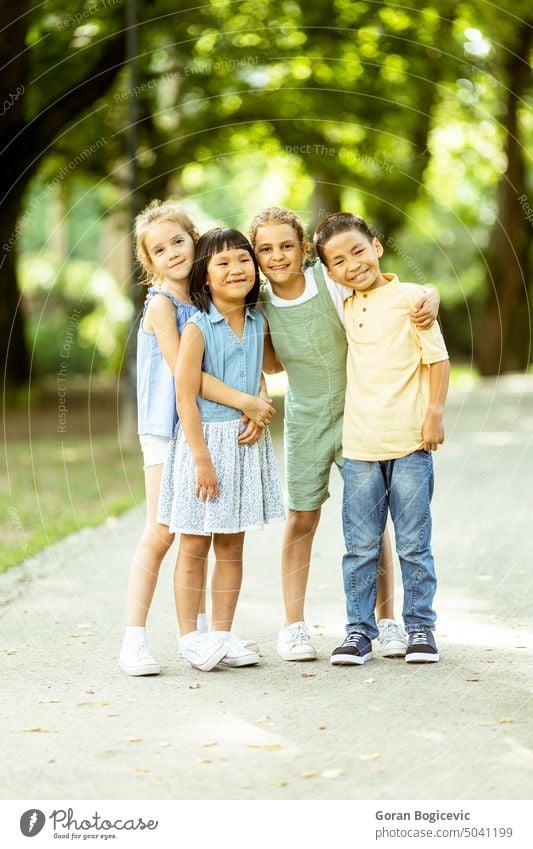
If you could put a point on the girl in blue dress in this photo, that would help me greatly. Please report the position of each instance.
(165, 245)
(213, 486)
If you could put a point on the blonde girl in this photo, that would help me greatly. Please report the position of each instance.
(165, 245)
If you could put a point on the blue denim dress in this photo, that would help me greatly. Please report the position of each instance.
(250, 493)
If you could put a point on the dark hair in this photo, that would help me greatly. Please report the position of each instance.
(213, 242)
(335, 223)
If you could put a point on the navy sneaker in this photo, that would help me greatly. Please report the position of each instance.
(421, 648)
(356, 648)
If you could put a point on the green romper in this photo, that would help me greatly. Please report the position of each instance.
(310, 341)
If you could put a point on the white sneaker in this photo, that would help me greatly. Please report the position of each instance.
(203, 651)
(392, 638)
(135, 659)
(238, 654)
(294, 643)
(248, 644)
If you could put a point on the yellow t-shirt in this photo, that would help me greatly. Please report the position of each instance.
(387, 392)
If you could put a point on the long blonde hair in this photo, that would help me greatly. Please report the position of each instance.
(167, 210)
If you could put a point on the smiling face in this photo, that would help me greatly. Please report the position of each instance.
(171, 250)
(279, 252)
(230, 275)
(352, 260)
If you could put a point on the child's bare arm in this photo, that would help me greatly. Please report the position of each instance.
(271, 363)
(257, 408)
(188, 380)
(426, 308)
(433, 428)
(160, 318)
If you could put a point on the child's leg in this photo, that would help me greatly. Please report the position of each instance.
(296, 555)
(189, 579)
(227, 579)
(364, 513)
(411, 489)
(150, 551)
(385, 599)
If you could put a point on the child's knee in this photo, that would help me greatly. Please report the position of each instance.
(303, 522)
(158, 537)
(228, 547)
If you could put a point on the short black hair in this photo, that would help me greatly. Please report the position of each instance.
(213, 242)
(338, 222)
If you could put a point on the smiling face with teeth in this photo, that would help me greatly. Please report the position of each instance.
(352, 259)
(279, 253)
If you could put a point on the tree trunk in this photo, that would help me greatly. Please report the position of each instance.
(505, 332)
(13, 348)
(326, 197)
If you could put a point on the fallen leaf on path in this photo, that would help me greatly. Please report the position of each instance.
(368, 756)
(90, 692)
(134, 739)
(49, 702)
(308, 675)
(75, 635)
(309, 775)
(142, 769)
(194, 686)
(51, 760)
(209, 743)
(487, 661)
(318, 626)
(103, 703)
(333, 773)
(369, 680)
(270, 748)
(11, 651)
(279, 784)
(504, 720)
(473, 680)
(262, 719)
(204, 761)
(322, 727)
(37, 730)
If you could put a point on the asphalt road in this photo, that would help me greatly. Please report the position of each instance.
(75, 727)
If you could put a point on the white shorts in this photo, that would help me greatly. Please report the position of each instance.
(154, 449)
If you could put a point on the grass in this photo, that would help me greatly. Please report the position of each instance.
(56, 483)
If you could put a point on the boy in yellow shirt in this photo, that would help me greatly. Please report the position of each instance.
(397, 382)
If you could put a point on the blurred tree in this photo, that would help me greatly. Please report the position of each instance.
(56, 64)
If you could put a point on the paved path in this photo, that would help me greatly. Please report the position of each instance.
(75, 727)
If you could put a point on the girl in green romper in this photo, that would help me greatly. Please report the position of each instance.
(304, 311)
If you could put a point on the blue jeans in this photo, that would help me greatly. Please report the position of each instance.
(404, 486)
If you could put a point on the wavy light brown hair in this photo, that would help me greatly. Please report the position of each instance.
(276, 215)
(156, 211)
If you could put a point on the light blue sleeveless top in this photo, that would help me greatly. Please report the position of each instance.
(237, 363)
(156, 394)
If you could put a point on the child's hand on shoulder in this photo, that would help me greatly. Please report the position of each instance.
(206, 481)
(425, 310)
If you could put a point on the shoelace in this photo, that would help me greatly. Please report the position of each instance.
(419, 638)
(393, 630)
(352, 639)
(299, 634)
(142, 653)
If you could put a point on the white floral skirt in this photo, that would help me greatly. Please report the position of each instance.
(250, 493)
